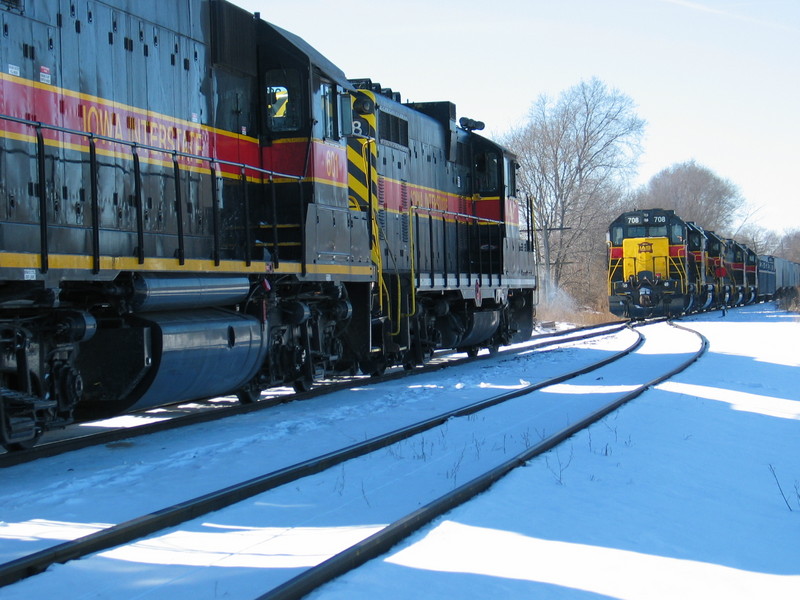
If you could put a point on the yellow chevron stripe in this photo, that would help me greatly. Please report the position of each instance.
(358, 188)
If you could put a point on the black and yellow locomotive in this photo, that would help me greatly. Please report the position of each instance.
(661, 265)
(195, 202)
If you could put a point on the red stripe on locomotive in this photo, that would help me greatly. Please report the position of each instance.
(677, 251)
(109, 119)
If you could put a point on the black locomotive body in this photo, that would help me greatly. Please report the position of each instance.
(661, 265)
(194, 202)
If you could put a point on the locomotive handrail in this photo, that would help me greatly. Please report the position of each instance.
(42, 193)
(267, 175)
(474, 218)
(458, 214)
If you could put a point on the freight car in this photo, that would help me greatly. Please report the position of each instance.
(661, 265)
(195, 202)
(786, 288)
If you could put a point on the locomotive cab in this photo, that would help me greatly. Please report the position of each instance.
(698, 265)
(743, 271)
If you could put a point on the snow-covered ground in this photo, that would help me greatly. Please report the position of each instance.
(70, 495)
(678, 495)
(690, 491)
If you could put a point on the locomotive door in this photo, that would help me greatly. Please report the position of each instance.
(489, 211)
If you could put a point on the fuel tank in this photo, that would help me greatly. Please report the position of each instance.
(481, 326)
(170, 356)
(471, 329)
(166, 292)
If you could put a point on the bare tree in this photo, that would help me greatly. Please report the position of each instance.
(758, 239)
(583, 268)
(789, 246)
(575, 154)
(696, 194)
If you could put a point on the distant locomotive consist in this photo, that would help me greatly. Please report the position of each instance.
(661, 265)
(194, 202)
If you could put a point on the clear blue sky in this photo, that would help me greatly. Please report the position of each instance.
(717, 81)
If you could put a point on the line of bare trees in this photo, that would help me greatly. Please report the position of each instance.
(577, 155)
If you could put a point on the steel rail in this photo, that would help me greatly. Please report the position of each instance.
(142, 526)
(382, 541)
(47, 450)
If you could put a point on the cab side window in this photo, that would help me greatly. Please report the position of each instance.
(329, 126)
(486, 167)
(283, 100)
(511, 177)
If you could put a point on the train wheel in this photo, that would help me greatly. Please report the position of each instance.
(249, 394)
(346, 367)
(304, 384)
(375, 367)
(19, 427)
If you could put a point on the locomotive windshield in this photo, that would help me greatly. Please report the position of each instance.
(284, 93)
(641, 231)
(676, 232)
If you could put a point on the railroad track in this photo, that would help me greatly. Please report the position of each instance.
(186, 414)
(158, 520)
(382, 541)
